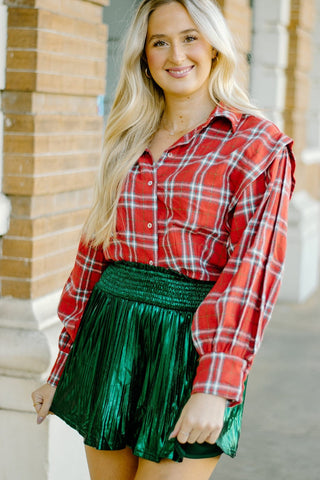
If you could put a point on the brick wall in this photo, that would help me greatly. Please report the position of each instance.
(314, 111)
(300, 62)
(56, 60)
(238, 14)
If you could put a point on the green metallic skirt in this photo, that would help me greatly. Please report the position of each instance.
(131, 368)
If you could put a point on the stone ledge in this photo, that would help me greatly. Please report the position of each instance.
(24, 352)
(29, 314)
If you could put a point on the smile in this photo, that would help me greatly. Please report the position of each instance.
(180, 72)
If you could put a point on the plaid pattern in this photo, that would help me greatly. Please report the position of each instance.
(214, 207)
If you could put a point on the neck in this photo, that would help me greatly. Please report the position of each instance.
(186, 113)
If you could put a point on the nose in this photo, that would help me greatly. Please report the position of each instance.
(177, 53)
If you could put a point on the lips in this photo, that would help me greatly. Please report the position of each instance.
(180, 72)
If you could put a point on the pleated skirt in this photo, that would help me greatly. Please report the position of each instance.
(132, 365)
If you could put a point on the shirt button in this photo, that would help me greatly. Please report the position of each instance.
(170, 155)
(150, 262)
(149, 225)
(150, 183)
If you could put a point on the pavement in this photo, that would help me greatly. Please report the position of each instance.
(280, 437)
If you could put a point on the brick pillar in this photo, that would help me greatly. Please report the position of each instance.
(300, 60)
(270, 56)
(312, 154)
(301, 277)
(55, 73)
(52, 137)
(238, 14)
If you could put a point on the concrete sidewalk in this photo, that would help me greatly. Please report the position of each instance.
(281, 428)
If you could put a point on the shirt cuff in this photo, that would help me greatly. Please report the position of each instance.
(57, 369)
(222, 375)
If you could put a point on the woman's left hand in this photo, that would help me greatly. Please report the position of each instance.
(201, 419)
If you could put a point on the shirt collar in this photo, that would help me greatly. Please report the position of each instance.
(221, 110)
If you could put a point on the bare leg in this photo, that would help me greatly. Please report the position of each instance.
(111, 465)
(189, 469)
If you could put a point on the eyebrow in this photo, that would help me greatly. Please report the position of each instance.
(162, 35)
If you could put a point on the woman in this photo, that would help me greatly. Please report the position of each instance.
(187, 234)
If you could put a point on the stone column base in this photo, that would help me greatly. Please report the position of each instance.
(29, 332)
(301, 275)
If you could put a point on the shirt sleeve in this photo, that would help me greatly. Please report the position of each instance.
(228, 325)
(89, 265)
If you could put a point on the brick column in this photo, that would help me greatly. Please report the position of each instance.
(301, 276)
(55, 73)
(52, 138)
(238, 14)
(270, 56)
(311, 155)
(300, 60)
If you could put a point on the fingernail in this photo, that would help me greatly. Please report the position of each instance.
(40, 420)
(170, 436)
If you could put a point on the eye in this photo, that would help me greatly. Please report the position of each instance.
(159, 43)
(190, 38)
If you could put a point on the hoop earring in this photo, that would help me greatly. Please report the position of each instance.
(147, 72)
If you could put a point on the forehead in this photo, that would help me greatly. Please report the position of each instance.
(169, 19)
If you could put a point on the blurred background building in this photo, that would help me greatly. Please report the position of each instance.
(56, 86)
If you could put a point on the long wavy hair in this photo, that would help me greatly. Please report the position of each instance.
(139, 104)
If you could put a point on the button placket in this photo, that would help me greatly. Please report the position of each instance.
(152, 224)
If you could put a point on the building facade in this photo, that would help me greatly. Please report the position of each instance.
(54, 88)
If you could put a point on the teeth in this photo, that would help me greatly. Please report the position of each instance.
(180, 72)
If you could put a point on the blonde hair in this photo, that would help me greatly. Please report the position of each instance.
(139, 105)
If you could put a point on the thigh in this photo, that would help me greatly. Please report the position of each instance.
(111, 465)
(189, 469)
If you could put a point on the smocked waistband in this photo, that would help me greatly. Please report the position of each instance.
(153, 285)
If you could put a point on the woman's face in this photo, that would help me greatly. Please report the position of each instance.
(178, 55)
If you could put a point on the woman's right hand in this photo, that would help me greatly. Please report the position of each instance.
(42, 400)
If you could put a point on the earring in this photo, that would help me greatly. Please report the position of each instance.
(147, 72)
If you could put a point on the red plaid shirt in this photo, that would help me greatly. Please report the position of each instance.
(214, 207)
